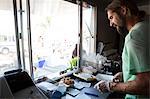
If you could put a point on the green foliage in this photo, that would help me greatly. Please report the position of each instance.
(73, 63)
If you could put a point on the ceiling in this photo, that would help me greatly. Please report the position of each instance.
(96, 2)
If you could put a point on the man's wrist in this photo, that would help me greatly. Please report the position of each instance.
(112, 85)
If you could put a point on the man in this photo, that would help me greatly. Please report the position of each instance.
(134, 80)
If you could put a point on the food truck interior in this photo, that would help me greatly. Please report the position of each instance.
(44, 43)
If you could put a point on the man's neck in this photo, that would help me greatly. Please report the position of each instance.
(130, 22)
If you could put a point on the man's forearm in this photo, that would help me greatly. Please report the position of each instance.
(130, 87)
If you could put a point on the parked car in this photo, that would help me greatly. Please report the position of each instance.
(7, 47)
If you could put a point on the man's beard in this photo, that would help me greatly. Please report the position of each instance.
(122, 31)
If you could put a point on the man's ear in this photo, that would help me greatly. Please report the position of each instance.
(123, 10)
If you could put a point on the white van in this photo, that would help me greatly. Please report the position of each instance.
(7, 44)
(7, 47)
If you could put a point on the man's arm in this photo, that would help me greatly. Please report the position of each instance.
(141, 85)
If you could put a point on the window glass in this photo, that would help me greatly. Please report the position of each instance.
(89, 39)
(8, 53)
(54, 29)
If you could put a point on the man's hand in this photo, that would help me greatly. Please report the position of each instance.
(102, 86)
(118, 77)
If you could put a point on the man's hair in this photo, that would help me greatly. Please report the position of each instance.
(130, 4)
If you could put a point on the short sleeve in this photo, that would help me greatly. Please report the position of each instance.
(138, 56)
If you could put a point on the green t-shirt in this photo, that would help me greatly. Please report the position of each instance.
(135, 56)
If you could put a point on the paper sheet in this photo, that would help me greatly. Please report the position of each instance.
(104, 77)
(82, 96)
(73, 92)
(67, 96)
(47, 86)
(85, 84)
